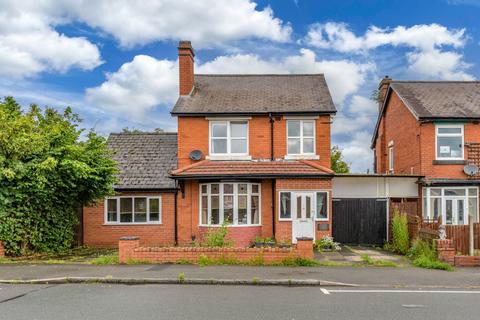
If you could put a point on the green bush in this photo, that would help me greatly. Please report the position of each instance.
(217, 237)
(400, 237)
(47, 172)
(424, 255)
(326, 243)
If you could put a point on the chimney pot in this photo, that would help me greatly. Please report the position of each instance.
(186, 67)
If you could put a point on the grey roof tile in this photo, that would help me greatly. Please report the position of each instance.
(144, 159)
(257, 94)
(440, 99)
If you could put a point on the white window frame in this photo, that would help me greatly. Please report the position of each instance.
(301, 137)
(439, 126)
(292, 195)
(427, 196)
(106, 222)
(229, 138)
(235, 204)
(391, 158)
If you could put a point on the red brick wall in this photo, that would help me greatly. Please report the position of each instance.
(283, 229)
(193, 133)
(414, 143)
(130, 250)
(96, 233)
(400, 126)
(241, 236)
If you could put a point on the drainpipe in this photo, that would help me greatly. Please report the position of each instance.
(274, 182)
(175, 217)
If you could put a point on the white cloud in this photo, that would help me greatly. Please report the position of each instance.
(137, 87)
(145, 82)
(357, 152)
(29, 45)
(362, 105)
(427, 57)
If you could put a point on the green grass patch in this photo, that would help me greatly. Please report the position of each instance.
(369, 261)
(428, 263)
(425, 256)
(105, 260)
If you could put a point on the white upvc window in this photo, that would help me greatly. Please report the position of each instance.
(301, 137)
(133, 210)
(228, 137)
(452, 204)
(231, 203)
(320, 200)
(449, 142)
(390, 158)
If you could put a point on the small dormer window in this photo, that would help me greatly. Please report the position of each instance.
(449, 142)
(301, 137)
(228, 137)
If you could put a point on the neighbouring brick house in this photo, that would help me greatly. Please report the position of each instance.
(431, 129)
(252, 151)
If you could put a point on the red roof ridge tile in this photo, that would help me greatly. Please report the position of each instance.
(317, 166)
(193, 165)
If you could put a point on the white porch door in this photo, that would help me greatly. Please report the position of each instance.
(303, 222)
(455, 209)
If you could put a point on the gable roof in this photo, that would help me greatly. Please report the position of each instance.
(257, 94)
(144, 159)
(440, 99)
(435, 100)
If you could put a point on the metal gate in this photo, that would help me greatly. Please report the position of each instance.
(359, 221)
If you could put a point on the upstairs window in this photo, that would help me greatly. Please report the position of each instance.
(229, 137)
(301, 137)
(449, 142)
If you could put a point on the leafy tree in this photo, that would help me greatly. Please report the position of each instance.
(46, 173)
(337, 162)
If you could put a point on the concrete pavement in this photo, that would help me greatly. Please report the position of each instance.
(362, 276)
(118, 302)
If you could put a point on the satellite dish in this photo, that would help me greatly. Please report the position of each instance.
(470, 170)
(196, 155)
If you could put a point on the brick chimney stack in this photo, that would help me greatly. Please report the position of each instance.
(185, 62)
(382, 91)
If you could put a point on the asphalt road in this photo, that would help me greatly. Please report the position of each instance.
(94, 301)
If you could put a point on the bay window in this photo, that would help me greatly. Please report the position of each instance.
(228, 137)
(452, 204)
(449, 142)
(131, 210)
(232, 203)
(301, 137)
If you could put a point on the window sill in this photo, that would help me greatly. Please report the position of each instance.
(228, 157)
(230, 225)
(116, 224)
(447, 162)
(302, 157)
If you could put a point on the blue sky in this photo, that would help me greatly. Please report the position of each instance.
(115, 63)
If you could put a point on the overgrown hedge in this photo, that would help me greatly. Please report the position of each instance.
(47, 170)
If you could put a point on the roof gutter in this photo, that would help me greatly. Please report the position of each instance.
(252, 176)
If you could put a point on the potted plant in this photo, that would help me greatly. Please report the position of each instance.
(327, 244)
(259, 242)
(270, 242)
(284, 244)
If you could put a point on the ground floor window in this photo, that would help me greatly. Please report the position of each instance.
(133, 210)
(230, 203)
(290, 201)
(452, 204)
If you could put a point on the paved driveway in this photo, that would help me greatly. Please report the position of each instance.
(353, 254)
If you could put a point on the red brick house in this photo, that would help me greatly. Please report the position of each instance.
(431, 129)
(252, 151)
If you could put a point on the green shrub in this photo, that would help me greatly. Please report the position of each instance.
(400, 241)
(424, 255)
(217, 237)
(428, 263)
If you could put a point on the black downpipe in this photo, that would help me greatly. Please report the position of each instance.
(274, 181)
(175, 218)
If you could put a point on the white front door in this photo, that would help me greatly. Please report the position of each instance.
(303, 223)
(455, 211)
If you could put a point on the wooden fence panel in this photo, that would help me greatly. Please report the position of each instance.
(459, 234)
